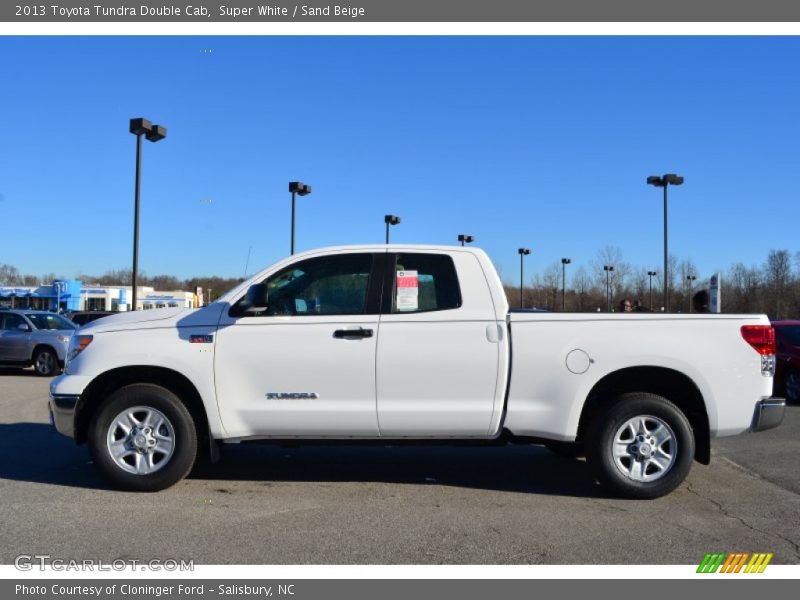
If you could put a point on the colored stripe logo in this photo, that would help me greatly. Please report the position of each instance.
(736, 562)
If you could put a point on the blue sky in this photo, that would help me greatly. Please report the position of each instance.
(521, 141)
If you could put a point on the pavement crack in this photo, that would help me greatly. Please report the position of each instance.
(609, 506)
(728, 514)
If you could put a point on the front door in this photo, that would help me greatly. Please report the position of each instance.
(305, 366)
(14, 342)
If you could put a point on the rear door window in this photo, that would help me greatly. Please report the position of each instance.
(423, 283)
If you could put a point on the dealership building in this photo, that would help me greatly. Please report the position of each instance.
(71, 295)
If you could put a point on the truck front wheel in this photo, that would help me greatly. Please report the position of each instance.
(642, 447)
(142, 438)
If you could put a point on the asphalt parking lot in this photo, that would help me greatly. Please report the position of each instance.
(376, 505)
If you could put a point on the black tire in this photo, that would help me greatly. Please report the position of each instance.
(45, 361)
(184, 449)
(570, 450)
(610, 422)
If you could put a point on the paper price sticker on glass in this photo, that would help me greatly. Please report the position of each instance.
(407, 290)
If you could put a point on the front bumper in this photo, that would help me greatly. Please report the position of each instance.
(65, 392)
(62, 413)
(768, 414)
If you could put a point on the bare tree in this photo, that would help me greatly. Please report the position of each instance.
(612, 256)
(582, 283)
(165, 282)
(640, 281)
(118, 277)
(743, 288)
(9, 275)
(551, 279)
(777, 276)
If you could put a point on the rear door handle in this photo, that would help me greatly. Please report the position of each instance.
(353, 333)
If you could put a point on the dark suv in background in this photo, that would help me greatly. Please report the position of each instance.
(787, 370)
(83, 317)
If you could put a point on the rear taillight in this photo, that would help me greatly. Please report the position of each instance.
(760, 337)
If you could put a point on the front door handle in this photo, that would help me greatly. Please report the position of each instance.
(353, 333)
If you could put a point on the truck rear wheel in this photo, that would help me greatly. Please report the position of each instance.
(142, 438)
(642, 447)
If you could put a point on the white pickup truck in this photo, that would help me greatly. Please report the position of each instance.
(392, 342)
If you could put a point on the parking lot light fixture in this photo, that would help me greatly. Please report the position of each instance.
(523, 252)
(651, 274)
(465, 239)
(608, 269)
(390, 220)
(297, 188)
(154, 133)
(664, 182)
(564, 263)
(690, 279)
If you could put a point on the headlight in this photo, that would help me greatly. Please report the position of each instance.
(78, 344)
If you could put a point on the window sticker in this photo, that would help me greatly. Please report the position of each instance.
(407, 290)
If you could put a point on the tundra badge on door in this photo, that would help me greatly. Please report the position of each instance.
(292, 396)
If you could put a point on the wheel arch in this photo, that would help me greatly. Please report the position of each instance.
(44, 345)
(673, 385)
(107, 383)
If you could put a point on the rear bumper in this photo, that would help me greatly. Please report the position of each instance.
(768, 414)
(62, 412)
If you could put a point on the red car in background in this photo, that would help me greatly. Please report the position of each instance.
(787, 369)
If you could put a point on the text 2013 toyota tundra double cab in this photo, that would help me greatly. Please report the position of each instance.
(411, 343)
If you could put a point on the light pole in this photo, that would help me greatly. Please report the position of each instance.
(301, 189)
(209, 295)
(608, 269)
(390, 220)
(651, 274)
(690, 281)
(664, 182)
(465, 239)
(564, 263)
(153, 133)
(59, 285)
(522, 253)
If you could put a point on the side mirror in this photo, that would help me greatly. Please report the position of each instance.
(23, 327)
(257, 298)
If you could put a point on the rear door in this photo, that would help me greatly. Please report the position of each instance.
(438, 349)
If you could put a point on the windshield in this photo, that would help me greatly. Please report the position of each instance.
(50, 321)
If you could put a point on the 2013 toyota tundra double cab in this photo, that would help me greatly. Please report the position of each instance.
(392, 342)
